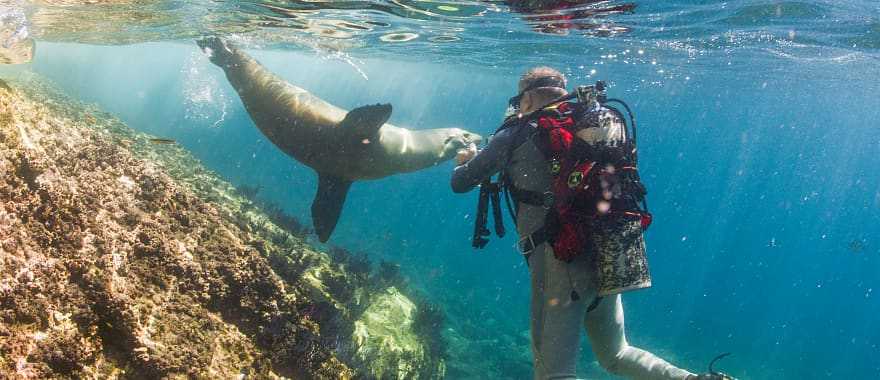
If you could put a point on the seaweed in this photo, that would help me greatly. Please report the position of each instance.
(340, 286)
(27, 171)
(387, 274)
(338, 254)
(357, 264)
(428, 324)
(275, 213)
(284, 266)
(249, 192)
(280, 237)
(284, 220)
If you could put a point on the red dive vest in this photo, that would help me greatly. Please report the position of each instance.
(590, 183)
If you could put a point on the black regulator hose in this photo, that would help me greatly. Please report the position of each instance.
(712, 363)
(480, 231)
(632, 118)
(632, 122)
(495, 200)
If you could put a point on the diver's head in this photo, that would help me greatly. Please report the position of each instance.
(538, 87)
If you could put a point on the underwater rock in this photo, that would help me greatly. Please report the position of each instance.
(124, 258)
(386, 337)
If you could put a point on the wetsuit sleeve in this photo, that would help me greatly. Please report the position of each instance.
(485, 164)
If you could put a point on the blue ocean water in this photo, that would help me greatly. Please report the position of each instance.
(760, 149)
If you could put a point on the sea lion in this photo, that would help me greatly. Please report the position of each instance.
(340, 146)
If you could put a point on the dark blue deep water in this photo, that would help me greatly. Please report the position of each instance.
(761, 156)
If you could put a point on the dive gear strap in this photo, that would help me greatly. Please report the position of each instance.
(527, 244)
(535, 198)
(489, 194)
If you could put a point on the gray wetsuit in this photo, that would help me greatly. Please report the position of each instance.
(556, 316)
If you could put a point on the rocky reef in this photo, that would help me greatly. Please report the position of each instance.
(121, 256)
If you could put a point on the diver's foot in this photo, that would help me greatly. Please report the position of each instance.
(217, 49)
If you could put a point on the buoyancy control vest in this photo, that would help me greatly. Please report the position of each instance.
(591, 181)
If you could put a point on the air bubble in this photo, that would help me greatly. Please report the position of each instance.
(444, 38)
(399, 37)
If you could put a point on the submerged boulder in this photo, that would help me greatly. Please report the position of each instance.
(124, 257)
(385, 336)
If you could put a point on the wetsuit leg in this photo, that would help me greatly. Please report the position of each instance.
(605, 328)
(556, 318)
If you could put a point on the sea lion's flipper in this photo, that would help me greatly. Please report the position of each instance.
(328, 203)
(364, 122)
(218, 50)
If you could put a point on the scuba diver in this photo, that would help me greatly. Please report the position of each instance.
(568, 161)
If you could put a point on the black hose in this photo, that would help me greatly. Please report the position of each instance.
(495, 200)
(717, 358)
(632, 122)
(480, 231)
(632, 118)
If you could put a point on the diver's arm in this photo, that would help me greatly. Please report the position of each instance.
(485, 164)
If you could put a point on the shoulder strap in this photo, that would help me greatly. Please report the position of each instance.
(526, 129)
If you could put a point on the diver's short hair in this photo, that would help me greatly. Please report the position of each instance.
(537, 73)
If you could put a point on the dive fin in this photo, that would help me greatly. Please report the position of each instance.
(328, 203)
(364, 122)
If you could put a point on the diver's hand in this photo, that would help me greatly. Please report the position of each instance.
(465, 154)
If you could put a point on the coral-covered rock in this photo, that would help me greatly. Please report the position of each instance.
(386, 337)
(120, 257)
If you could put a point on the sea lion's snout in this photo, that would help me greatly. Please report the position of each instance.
(472, 138)
(459, 138)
